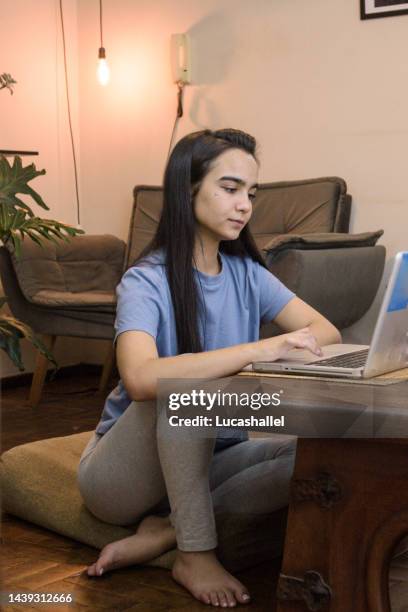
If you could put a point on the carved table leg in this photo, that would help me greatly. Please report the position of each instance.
(348, 510)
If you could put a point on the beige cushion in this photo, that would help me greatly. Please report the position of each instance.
(39, 485)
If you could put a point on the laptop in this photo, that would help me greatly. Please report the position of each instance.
(387, 352)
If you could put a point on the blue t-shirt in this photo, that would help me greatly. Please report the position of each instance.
(237, 300)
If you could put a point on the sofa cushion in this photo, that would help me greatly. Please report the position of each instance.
(148, 203)
(80, 300)
(321, 241)
(299, 207)
(83, 271)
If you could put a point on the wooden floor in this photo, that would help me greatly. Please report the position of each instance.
(37, 560)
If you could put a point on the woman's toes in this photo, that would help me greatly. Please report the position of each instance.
(214, 599)
(205, 598)
(222, 598)
(95, 570)
(91, 571)
(242, 596)
(103, 563)
(231, 601)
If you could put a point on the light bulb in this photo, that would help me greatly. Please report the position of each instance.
(102, 72)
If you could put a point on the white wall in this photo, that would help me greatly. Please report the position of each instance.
(324, 93)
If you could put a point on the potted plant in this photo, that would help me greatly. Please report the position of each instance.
(17, 222)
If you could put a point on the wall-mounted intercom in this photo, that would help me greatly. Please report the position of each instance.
(180, 58)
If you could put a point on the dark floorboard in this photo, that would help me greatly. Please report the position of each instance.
(40, 561)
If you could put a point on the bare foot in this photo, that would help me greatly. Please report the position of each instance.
(203, 575)
(153, 537)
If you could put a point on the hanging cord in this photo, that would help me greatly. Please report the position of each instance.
(100, 21)
(180, 92)
(69, 114)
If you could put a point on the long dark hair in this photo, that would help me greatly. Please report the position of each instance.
(188, 164)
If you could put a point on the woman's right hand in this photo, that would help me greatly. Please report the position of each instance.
(141, 368)
(271, 349)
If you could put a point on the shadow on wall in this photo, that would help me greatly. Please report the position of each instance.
(212, 42)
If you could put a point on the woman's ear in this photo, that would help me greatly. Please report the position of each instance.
(194, 190)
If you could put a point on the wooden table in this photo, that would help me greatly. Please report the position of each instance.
(349, 494)
(349, 501)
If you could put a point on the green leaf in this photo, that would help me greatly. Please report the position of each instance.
(14, 352)
(16, 244)
(36, 197)
(11, 332)
(14, 202)
(14, 179)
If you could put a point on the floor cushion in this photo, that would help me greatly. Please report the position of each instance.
(39, 485)
(39, 482)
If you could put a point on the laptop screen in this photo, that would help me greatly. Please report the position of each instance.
(399, 297)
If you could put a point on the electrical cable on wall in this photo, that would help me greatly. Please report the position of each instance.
(180, 56)
(180, 87)
(69, 114)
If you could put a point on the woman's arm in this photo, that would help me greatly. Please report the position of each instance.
(297, 314)
(140, 367)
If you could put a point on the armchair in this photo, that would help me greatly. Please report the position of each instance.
(64, 290)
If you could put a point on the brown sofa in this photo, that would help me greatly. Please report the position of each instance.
(302, 229)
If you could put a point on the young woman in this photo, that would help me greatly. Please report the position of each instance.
(191, 307)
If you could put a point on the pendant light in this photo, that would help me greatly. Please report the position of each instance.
(103, 72)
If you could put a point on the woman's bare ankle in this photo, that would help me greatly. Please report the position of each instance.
(191, 555)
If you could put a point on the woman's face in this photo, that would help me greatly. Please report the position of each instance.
(223, 204)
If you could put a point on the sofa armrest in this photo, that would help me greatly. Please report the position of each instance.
(340, 283)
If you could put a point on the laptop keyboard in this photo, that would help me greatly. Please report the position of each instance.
(350, 360)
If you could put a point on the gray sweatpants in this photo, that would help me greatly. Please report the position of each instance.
(137, 469)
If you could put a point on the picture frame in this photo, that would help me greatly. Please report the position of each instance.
(371, 9)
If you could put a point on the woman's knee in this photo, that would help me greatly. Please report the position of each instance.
(117, 498)
(277, 447)
(104, 506)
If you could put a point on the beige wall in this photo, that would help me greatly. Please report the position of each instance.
(323, 92)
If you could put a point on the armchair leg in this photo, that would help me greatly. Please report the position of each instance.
(107, 369)
(40, 372)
